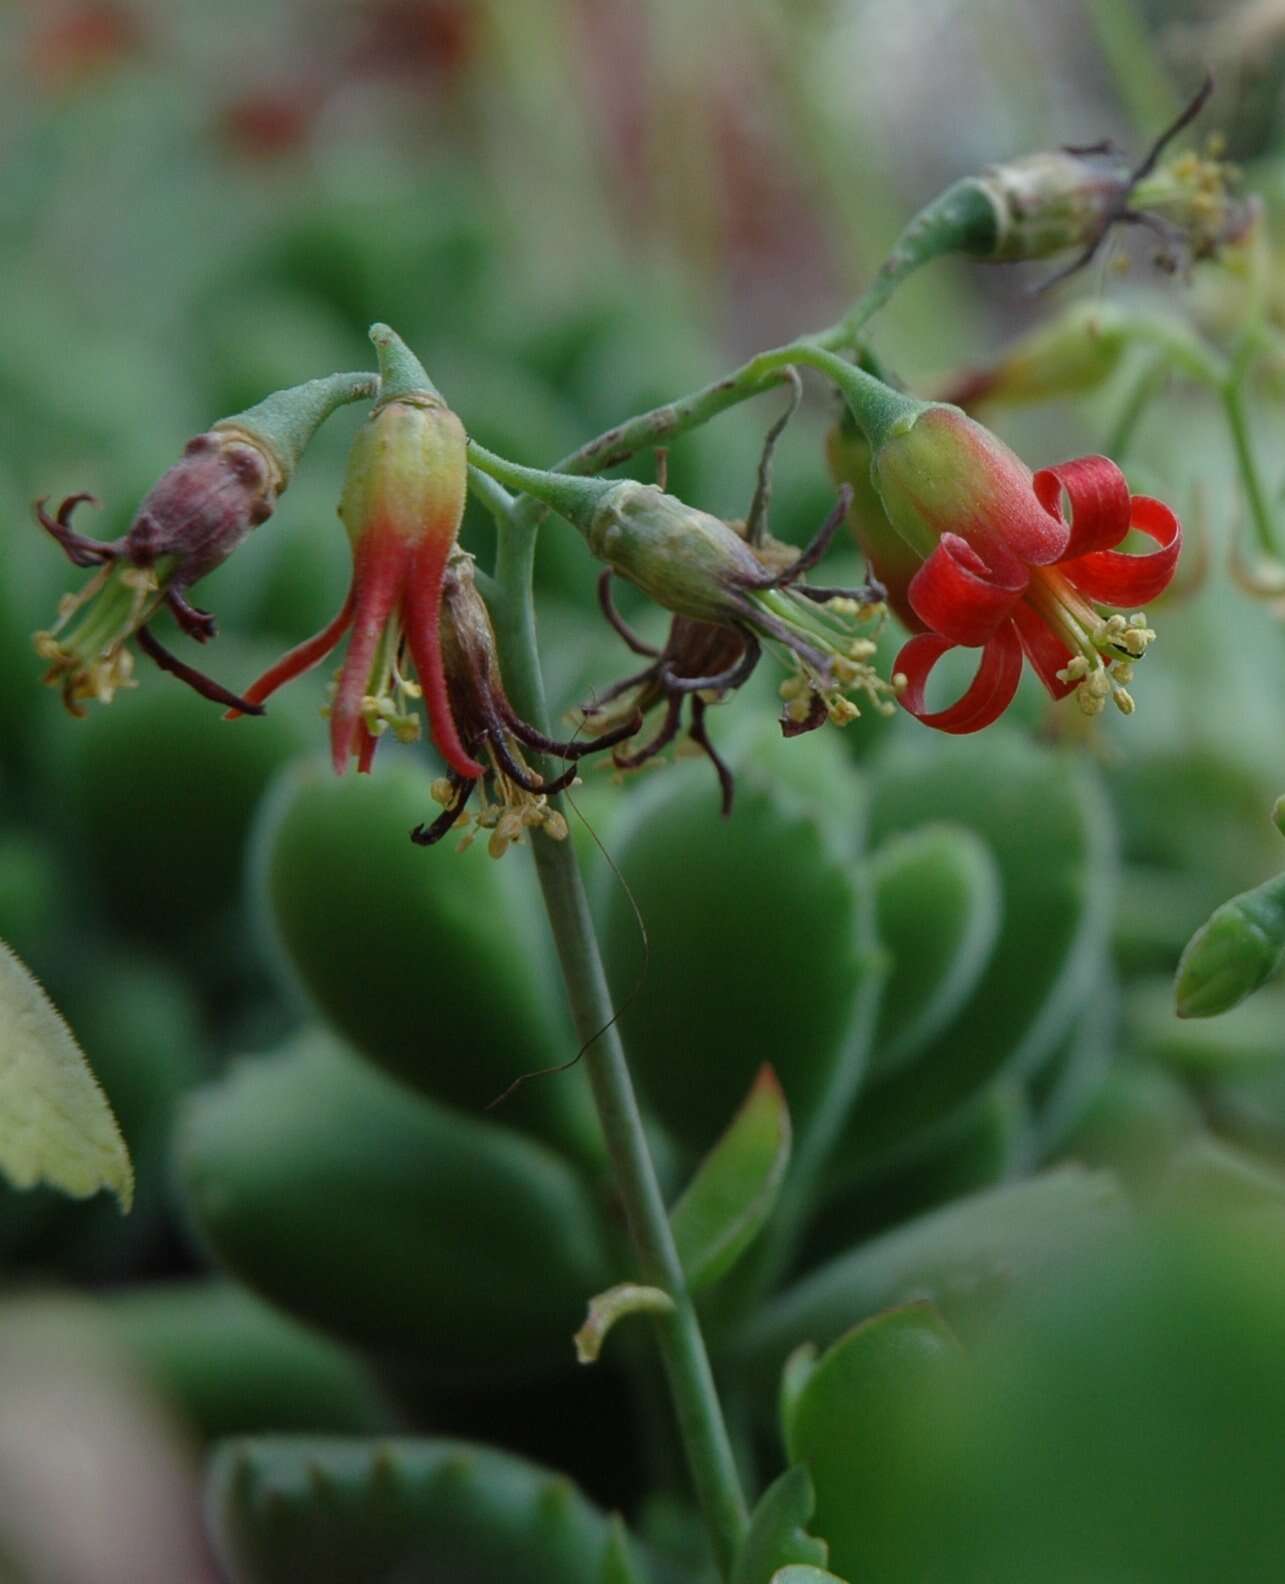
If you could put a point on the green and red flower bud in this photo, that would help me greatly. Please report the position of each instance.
(402, 504)
(193, 518)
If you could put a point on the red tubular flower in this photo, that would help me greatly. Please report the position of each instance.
(1005, 571)
(402, 504)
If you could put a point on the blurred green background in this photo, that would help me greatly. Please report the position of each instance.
(573, 209)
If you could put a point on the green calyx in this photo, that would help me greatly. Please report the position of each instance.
(576, 499)
(283, 424)
(879, 410)
(402, 377)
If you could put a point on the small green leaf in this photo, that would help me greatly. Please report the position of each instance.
(778, 1530)
(626, 1298)
(726, 1203)
(849, 1410)
(939, 907)
(56, 1125)
(619, 1565)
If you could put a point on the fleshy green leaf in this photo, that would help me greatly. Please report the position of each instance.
(1069, 1079)
(288, 1508)
(795, 1374)
(389, 1221)
(431, 963)
(56, 1125)
(990, 1144)
(732, 1194)
(606, 1308)
(1043, 817)
(191, 784)
(233, 1364)
(1137, 1120)
(963, 1258)
(1206, 1173)
(1123, 1424)
(778, 1530)
(939, 909)
(761, 950)
(848, 1411)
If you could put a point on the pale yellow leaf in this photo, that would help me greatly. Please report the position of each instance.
(56, 1126)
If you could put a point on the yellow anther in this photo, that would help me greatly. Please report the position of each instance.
(555, 826)
(1123, 701)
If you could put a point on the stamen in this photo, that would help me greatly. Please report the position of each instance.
(1105, 648)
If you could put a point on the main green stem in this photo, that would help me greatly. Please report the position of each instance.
(682, 1347)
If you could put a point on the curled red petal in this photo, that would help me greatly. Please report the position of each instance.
(1099, 496)
(958, 595)
(1114, 578)
(378, 578)
(423, 603)
(988, 695)
(299, 659)
(1044, 649)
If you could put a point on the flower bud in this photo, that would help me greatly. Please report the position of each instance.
(199, 511)
(1239, 947)
(685, 559)
(1049, 202)
(192, 519)
(1075, 352)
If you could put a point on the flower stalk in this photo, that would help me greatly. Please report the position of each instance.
(682, 1347)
